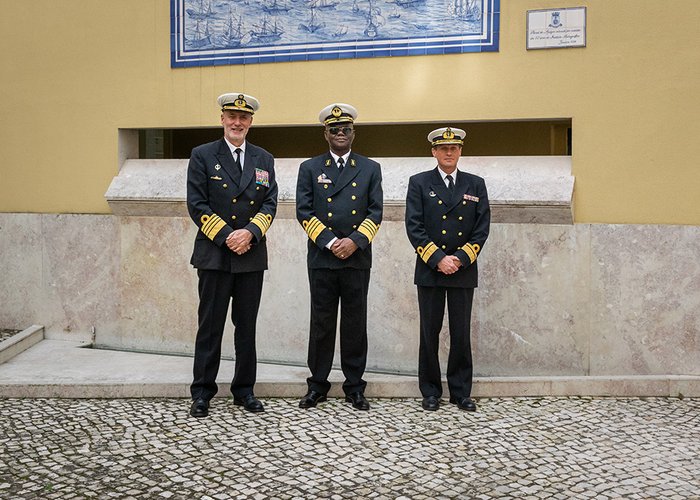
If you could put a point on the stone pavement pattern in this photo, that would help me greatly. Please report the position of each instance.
(511, 448)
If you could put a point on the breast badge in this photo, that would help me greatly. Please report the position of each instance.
(262, 177)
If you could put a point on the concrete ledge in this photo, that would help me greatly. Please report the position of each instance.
(18, 343)
(65, 369)
(390, 387)
(522, 189)
(618, 386)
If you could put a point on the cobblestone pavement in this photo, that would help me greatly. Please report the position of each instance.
(510, 448)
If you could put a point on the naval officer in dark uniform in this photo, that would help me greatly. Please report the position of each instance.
(339, 204)
(447, 221)
(232, 198)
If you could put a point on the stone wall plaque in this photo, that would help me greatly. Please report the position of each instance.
(556, 28)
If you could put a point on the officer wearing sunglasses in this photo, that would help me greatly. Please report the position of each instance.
(339, 204)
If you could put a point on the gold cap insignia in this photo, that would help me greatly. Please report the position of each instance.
(447, 135)
(337, 113)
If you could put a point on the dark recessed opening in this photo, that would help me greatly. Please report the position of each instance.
(511, 138)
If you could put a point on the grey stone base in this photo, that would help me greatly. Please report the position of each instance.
(553, 300)
(20, 342)
(64, 369)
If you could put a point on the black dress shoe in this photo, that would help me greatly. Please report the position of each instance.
(311, 399)
(358, 401)
(199, 408)
(249, 402)
(431, 403)
(464, 403)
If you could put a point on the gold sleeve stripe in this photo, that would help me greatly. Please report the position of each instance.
(369, 229)
(211, 225)
(313, 228)
(471, 251)
(263, 221)
(427, 251)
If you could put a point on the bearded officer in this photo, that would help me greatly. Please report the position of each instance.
(232, 198)
(339, 204)
(447, 221)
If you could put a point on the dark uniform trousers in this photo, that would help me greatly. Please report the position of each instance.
(431, 303)
(350, 287)
(333, 204)
(216, 289)
(220, 200)
(440, 222)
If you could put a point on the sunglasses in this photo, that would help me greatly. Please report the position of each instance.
(337, 130)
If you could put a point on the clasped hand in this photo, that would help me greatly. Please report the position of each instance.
(343, 248)
(449, 264)
(239, 241)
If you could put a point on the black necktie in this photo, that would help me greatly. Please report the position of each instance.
(341, 165)
(237, 159)
(450, 184)
(237, 166)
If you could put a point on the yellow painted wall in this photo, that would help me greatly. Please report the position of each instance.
(72, 72)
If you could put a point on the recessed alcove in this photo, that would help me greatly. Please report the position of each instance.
(544, 137)
(526, 166)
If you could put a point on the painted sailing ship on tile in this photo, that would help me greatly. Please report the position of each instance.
(252, 31)
(313, 24)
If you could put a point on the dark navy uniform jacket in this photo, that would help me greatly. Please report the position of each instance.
(441, 223)
(219, 201)
(343, 205)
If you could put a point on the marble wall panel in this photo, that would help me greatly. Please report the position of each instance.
(530, 313)
(645, 300)
(283, 320)
(80, 256)
(283, 323)
(157, 286)
(20, 270)
(392, 319)
(553, 299)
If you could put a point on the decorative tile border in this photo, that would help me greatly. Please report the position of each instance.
(220, 32)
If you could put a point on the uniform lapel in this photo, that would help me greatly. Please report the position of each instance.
(439, 188)
(226, 161)
(350, 171)
(248, 168)
(461, 187)
(330, 168)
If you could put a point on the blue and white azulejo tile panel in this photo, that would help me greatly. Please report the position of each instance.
(212, 32)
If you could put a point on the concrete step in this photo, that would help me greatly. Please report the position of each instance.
(20, 342)
(68, 369)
